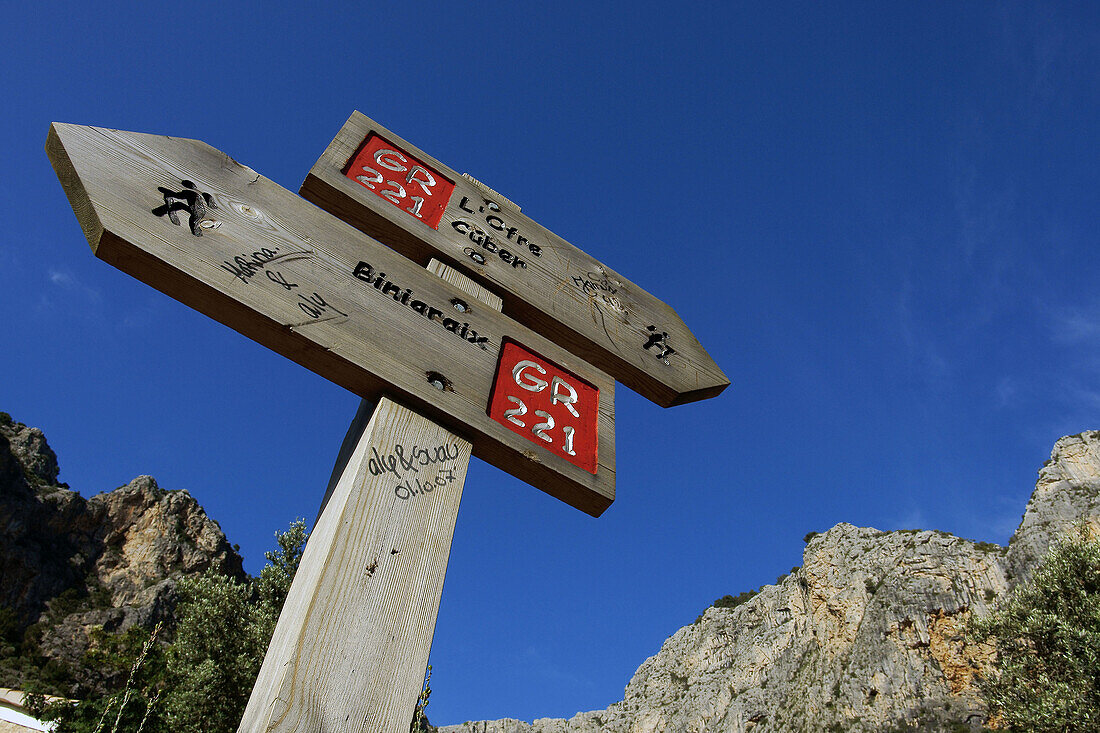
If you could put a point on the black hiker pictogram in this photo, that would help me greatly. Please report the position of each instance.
(660, 340)
(191, 200)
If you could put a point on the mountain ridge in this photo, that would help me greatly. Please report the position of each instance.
(71, 565)
(867, 635)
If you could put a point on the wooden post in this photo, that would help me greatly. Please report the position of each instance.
(352, 642)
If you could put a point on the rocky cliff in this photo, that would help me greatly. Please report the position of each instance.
(866, 636)
(69, 565)
(1067, 493)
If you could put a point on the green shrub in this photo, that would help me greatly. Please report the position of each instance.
(728, 601)
(1047, 636)
(22, 661)
(139, 658)
(199, 682)
(214, 660)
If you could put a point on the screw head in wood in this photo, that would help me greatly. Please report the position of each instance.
(439, 381)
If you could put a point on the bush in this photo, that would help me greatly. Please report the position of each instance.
(1047, 636)
(22, 661)
(202, 680)
(728, 601)
(128, 708)
(213, 662)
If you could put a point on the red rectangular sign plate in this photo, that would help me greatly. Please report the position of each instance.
(546, 404)
(414, 187)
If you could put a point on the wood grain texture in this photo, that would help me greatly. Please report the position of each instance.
(386, 693)
(460, 281)
(282, 272)
(563, 293)
(366, 408)
(352, 642)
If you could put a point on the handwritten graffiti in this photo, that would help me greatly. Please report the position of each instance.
(600, 289)
(315, 305)
(246, 266)
(406, 490)
(403, 459)
(243, 267)
(594, 281)
(191, 200)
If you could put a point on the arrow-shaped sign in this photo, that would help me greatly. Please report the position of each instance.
(392, 190)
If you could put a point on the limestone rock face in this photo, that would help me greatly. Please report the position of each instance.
(1067, 493)
(113, 560)
(29, 447)
(866, 636)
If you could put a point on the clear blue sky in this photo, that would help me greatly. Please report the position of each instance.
(881, 221)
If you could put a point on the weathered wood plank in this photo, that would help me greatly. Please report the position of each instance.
(366, 408)
(456, 278)
(350, 648)
(392, 685)
(288, 275)
(547, 283)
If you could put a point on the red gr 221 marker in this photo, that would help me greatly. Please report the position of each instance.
(401, 179)
(546, 404)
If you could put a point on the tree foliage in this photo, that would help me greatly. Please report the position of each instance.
(213, 662)
(1047, 637)
(200, 682)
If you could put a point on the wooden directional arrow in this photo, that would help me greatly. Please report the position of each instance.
(217, 236)
(392, 190)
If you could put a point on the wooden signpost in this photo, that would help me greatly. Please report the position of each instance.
(392, 190)
(443, 373)
(258, 258)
